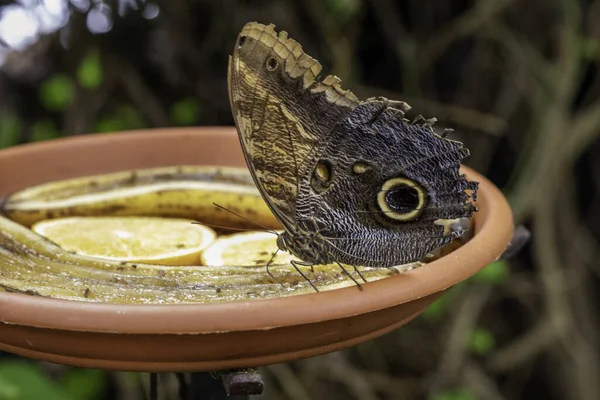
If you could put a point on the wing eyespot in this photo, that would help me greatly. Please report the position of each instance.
(401, 199)
(360, 167)
(241, 41)
(322, 176)
(272, 64)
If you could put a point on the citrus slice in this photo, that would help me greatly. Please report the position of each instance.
(153, 240)
(245, 249)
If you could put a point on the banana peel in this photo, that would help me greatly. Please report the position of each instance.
(34, 265)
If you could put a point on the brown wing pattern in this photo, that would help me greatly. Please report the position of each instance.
(282, 111)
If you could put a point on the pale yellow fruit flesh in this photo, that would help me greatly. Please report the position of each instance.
(247, 248)
(153, 240)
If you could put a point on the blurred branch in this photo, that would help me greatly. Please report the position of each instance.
(289, 382)
(586, 352)
(83, 111)
(547, 160)
(559, 306)
(342, 371)
(463, 323)
(401, 42)
(585, 248)
(584, 130)
(541, 72)
(342, 57)
(477, 17)
(409, 387)
(546, 171)
(364, 384)
(142, 96)
(480, 383)
(525, 348)
(446, 113)
(373, 356)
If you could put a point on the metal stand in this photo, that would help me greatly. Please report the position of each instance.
(235, 384)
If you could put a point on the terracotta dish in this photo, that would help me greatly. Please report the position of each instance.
(219, 336)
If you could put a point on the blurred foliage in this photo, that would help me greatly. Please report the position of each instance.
(343, 10)
(89, 73)
(185, 111)
(43, 130)
(22, 380)
(517, 80)
(496, 273)
(125, 117)
(57, 92)
(481, 341)
(455, 395)
(10, 129)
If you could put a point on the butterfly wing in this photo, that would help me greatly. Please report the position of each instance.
(282, 113)
(391, 184)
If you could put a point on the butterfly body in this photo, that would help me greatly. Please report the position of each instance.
(351, 181)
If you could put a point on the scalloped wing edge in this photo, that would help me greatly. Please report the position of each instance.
(298, 64)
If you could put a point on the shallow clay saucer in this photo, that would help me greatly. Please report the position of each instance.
(217, 336)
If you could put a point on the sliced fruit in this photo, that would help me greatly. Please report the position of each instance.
(153, 240)
(246, 248)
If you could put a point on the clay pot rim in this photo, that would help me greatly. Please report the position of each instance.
(493, 229)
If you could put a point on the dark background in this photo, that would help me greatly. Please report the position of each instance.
(517, 80)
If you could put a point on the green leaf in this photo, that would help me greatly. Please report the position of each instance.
(8, 390)
(43, 130)
(130, 117)
(84, 384)
(125, 118)
(437, 309)
(57, 92)
(343, 10)
(590, 48)
(108, 124)
(22, 380)
(495, 273)
(457, 394)
(185, 111)
(89, 73)
(481, 341)
(10, 129)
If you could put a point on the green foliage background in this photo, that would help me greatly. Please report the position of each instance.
(517, 80)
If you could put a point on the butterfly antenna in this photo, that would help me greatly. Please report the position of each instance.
(246, 219)
(269, 272)
(219, 226)
(351, 277)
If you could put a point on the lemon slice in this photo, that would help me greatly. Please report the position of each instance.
(245, 249)
(153, 240)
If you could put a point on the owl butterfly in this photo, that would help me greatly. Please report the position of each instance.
(351, 181)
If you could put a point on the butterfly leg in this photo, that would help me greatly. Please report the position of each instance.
(394, 270)
(351, 277)
(295, 264)
(360, 274)
(269, 272)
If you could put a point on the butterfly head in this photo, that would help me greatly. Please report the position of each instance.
(305, 244)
